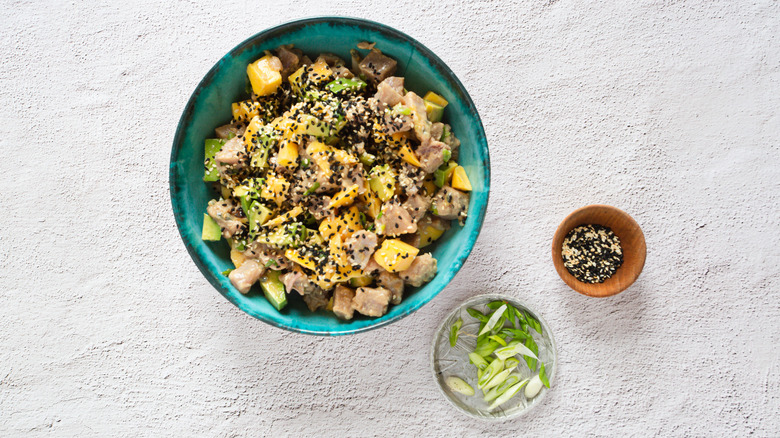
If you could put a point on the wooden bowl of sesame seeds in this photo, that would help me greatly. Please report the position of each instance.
(631, 242)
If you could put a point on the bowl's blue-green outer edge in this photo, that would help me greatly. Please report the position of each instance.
(285, 27)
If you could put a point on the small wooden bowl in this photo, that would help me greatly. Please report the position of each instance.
(632, 240)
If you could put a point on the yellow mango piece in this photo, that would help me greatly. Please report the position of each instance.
(430, 187)
(373, 204)
(346, 223)
(379, 134)
(251, 133)
(360, 281)
(435, 98)
(282, 218)
(288, 154)
(306, 262)
(317, 147)
(429, 234)
(345, 196)
(344, 157)
(346, 273)
(275, 189)
(395, 255)
(329, 307)
(327, 228)
(336, 247)
(295, 80)
(319, 153)
(319, 72)
(460, 180)
(244, 110)
(264, 75)
(408, 155)
(237, 257)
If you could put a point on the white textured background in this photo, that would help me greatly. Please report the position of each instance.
(667, 109)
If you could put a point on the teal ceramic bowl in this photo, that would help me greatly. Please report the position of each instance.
(209, 107)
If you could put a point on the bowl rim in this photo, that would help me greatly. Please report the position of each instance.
(437, 63)
(552, 374)
(569, 279)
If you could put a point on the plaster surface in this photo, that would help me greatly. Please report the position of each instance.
(666, 109)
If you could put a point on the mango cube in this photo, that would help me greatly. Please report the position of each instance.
(395, 255)
(460, 180)
(288, 154)
(346, 223)
(345, 197)
(306, 262)
(264, 75)
(251, 133)
(237, 257)
(435, 98)
(275, 189)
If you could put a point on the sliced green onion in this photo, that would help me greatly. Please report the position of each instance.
(305, 163)
(348, 84)
(454, 331)
(533, 388)
(492, 394)
(491, 371)
(478, 361)
(514, 334)
(543, 376)
(498, 339)
(493, 305)
(403, 110)
(311, 189)
(487, 348)
(227, 272)
(521, 319)
(533, 322)
(270, 263)
(497, 380)
(531, 344)
(514, 347)
(511, 362)
(459, 385)
(510, 392)
(511, 380)
(493, 319)
(500, 389)
(478, 315)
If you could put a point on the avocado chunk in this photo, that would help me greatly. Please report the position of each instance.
(258, 214)
(320, 129)
(382, 182)
(211, 230)
(273, 288)
(435, 112)
(442, 175)
(213, 145)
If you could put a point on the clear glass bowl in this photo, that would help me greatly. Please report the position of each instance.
(453, 361)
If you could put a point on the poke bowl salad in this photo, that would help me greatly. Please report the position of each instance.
(330, 181)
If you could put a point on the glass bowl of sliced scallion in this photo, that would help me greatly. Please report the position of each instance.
(494, 358)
